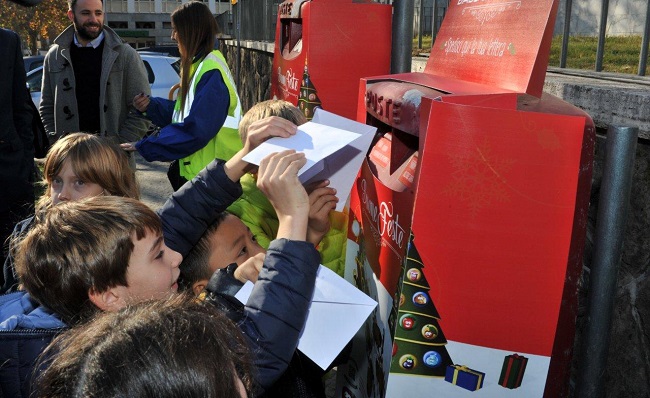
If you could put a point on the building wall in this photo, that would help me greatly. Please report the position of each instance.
(146, 23)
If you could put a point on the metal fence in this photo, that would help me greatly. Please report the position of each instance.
(251, 20)
(440, 7)
(256, 20)
(604, 10)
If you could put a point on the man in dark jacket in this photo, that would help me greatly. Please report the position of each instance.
(16, 139)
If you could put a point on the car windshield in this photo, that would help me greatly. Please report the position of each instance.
(34, 80)
(177, 66)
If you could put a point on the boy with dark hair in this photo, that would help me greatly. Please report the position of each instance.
(229, 245)
(97, 254)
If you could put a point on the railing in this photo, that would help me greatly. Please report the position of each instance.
(643, 56)
(440, 6)
(429, 18)
(428, 15)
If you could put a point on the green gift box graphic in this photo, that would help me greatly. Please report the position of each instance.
(512, 372)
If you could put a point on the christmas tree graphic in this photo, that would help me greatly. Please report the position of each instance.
(419, 345)
(308, 99)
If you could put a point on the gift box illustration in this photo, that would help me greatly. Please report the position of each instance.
(462, 376)
(513, 370)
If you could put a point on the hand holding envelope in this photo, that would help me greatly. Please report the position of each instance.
(337, 311)
(334, 146)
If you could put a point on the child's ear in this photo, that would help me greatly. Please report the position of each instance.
(109, 300)
(198, 286)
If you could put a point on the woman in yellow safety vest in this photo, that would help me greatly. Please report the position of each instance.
(201, 124)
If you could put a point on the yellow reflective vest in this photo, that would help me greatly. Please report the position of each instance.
(226, 142)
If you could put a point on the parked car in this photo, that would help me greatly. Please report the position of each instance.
(165, 49)
(32, 62)
(164, 72)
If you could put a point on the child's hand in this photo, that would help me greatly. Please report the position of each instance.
(128, 146)
(263, 129)
(141, 102)
(257, 133)
(322, 200)
(250, 269)
(278, 179)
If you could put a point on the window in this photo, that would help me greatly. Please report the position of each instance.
(34, 81)
(145, 6)
(118, 24)
(170, 5)
(115, 6)
(145, 25)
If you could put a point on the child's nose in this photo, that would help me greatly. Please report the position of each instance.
(64, 194)
(175, 257)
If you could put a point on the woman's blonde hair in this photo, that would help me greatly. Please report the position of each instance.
(93, 159)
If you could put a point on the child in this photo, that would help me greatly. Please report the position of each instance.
(229, 247)
(137, 264)
(174, 348)
(77, 166)
(229, 243)
(256, 212)
(100, 253)
(226, 242)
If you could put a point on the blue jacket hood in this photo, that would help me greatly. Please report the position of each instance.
(19, 311)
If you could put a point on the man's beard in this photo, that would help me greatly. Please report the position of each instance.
(85, 34)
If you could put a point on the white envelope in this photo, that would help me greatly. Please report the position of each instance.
(337, 311)
(334, 146)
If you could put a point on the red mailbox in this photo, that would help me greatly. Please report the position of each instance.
(467, 220)
(323, 48)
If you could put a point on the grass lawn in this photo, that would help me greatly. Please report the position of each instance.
(621, 53)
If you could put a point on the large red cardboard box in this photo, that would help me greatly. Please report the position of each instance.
(323, 48)
(467, 220)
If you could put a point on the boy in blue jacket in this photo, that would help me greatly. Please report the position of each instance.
(106, 252)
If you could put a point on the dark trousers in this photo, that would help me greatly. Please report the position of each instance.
(14, 210)
(174, 175)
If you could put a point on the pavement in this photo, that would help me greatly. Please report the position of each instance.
(153, 183)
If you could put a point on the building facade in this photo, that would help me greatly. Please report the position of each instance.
(146, 23)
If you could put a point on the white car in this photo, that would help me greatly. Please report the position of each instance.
(163, 71)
